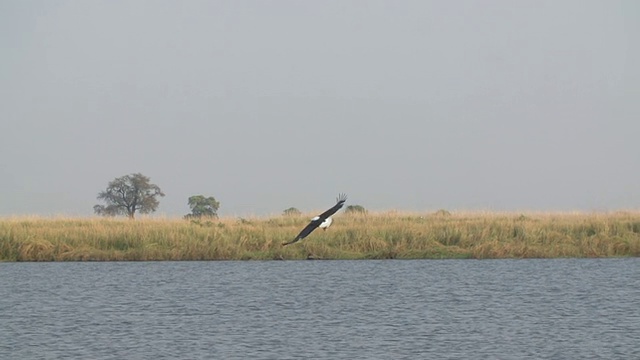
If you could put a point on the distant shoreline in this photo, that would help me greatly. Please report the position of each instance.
(439, 235)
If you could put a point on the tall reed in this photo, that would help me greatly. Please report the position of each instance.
(371, 236)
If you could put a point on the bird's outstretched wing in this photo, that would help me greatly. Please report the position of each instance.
(319, 219)
(339, 203)
(306, 231)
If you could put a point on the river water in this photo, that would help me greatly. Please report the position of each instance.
(387, 309)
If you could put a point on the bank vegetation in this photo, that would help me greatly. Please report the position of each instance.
(392, 235)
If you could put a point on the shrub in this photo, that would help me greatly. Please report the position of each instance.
(355, 209)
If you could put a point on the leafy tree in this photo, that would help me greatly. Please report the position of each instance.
(203, 206)
(355, 209)
(127, 194)
(291, 212)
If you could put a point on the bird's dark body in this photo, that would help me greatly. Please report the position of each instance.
(319, 219)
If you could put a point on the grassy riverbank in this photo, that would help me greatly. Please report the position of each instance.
(374, 236)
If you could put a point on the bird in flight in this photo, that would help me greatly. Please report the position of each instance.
(323, 219)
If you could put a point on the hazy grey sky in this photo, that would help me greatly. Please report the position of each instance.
(407, 105)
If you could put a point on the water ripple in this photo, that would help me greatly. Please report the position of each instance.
(451, 309)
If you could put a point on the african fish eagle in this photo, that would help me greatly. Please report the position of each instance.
(320, 220)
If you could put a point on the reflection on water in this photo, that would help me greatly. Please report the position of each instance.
(449, 309)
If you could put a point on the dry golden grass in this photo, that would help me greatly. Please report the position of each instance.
(371, 236)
